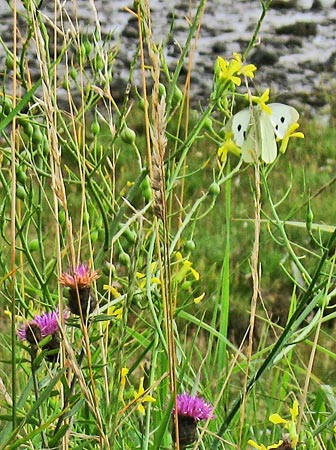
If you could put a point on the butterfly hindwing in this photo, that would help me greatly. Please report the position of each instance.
(240, 126)
(267, 137)
(282, 117)
(255, 130)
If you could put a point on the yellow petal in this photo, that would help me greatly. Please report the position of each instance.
(124, 372)
(276, 418)
(295, 410)
(255, 445)
(198, 299)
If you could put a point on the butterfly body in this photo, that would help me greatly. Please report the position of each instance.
(255, 130)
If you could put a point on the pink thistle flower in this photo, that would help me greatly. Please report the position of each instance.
(79, 277)
(36, 330)
(194, 407)
(41, 326)
(189, 411)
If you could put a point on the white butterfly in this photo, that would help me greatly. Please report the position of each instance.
(255, 130)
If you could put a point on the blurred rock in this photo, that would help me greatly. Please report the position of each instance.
(299, 29)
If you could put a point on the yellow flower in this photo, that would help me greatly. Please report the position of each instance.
(198, 299)
(185, 269)
(229, 69)
(142, 279)
(124, 373)
(228, 146)
(291, 133)
(141, 398)
(112, 310)
(246, 70)
(262, 446)
(261, 101)
(290, 425)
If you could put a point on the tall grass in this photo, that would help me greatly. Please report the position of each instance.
(216, 280)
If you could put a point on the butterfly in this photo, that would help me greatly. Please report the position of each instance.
(255, 130)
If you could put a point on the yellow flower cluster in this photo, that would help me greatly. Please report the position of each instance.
(233, 70)
(289, 425)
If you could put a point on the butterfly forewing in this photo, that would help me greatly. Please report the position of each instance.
(267, 138)
(282, 117)
(240, 126)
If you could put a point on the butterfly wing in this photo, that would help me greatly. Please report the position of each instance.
(240, 125)
(249, 148)
(267, 137)
(282, 117)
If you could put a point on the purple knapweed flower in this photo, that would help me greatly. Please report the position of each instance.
(79, 279)
(194, 407)
(190, 410)
(41, 326)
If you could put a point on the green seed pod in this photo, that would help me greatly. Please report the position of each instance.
(95, 127)
(98, 62)
(94, 235)
(127, 135)
(207, 124)
(146, 189)
(7, 105)
(186, 285)
(37, 137)
(21, 175)
(33, 245)
(177, 96)
(9, 62)
(162, 90)
(108, 268)
(124, 259)
(73, 73)
(190, 245)
(214, 189)
(61, 217)
(141, 103)
(130, 236)
(28, 128)
(21, 192)
(88, 47)
(65, 83)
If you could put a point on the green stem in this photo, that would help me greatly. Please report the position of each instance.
(297, 318)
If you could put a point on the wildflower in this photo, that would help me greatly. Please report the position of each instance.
(261, 101)
(262, 446)
(142, 279)
(190, 410)
(112, 309)
(79, 280)
(81, 277)
(291, 133)
(227, 70)
(141, 398)
(198, 299)
(185, 269)
(39, 328)
(124, 373)
(228, 146)
(290, 425)
(247, 70)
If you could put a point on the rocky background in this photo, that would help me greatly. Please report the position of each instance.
(296, 49)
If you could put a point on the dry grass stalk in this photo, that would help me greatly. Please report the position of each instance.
(159, 142)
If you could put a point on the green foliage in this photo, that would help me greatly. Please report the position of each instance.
(205, 274)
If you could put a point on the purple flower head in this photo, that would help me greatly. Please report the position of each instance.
(79, 277)
(41, 326)
(194, 407)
